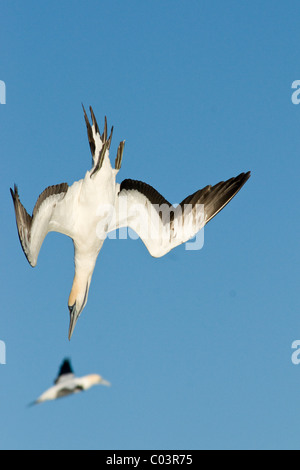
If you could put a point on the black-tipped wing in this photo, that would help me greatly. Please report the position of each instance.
(33, 229)
(215, 198)
(162, 226)
(65, 372)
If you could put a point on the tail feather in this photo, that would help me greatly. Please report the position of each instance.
(119, 157)
(100, 143)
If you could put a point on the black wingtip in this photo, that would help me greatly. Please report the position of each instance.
(66, 367)
(244, 177)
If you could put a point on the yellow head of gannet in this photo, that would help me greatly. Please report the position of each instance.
(78, 299)
(93, 379)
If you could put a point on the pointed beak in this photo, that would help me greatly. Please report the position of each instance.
(105, 382)
(74, 314)
(33, 403)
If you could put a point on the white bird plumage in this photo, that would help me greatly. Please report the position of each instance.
(92, 207)
(67, 383)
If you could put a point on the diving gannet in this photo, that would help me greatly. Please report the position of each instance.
(96, 205)
(67, 384)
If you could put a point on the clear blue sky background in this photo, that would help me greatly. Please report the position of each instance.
(197, 345)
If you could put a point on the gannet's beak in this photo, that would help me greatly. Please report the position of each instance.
(105, 382)
(74, 315)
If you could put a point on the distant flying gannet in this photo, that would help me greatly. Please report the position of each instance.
(96, 205)
(67, 384)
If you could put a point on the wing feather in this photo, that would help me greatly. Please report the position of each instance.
(65, 372)
(32, 230)
(163, 226)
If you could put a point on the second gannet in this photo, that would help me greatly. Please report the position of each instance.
(67, 384)
(96, 205)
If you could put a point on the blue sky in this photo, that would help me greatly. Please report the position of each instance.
(197, 345)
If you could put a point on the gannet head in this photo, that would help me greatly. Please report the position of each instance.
(77, 301)
(94, 379)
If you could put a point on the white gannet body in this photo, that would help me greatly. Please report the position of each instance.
(96, 205)
(67, 384)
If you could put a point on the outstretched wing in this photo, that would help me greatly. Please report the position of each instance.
(33, 229)
(162, 226)
(65, 372)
